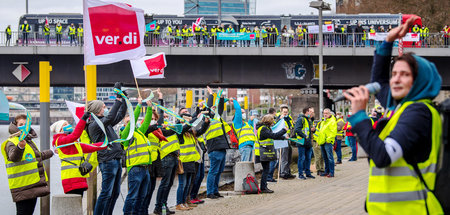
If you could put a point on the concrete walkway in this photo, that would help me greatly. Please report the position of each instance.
(343, 194)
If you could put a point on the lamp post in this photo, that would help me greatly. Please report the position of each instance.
(321, 6)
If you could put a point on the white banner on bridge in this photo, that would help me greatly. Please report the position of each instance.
(314, 29)
(381, 36)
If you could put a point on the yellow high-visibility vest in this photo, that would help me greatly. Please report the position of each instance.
(24, 172)
(397, 189)
(69, 170)
(188, 152)
(245, 133)
(171, 145)
(154, 146)
(138, 151)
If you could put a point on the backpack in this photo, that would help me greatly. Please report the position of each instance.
(441, 189)
(250, 186)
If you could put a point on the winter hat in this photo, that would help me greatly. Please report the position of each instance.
(57, 126)
(95, 106)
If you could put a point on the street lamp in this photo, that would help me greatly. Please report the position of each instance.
(321, 6)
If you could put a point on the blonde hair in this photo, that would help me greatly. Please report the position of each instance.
(267, 119)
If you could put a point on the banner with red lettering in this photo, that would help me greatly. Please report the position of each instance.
(113, 32)
(149, 67)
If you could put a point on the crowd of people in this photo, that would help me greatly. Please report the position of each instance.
(403, 155)
(156, 149)
(265, 36)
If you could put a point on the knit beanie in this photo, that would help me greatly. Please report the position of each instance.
(57, 126)
(95, 106)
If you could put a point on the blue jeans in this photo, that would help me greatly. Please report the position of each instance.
(169, 165)
(148, 196)
(138, 179)
(111, 174)
(304, 160)
(217, 164)
(47, 39)
(327, 154)
(273, 165)
(184, 183)
(352, 143)
(198, 180)
(338, 150)
(246, 153)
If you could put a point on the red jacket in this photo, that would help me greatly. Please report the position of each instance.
(348, 130)
(75, 183)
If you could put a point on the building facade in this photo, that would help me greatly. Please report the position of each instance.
(211, 7)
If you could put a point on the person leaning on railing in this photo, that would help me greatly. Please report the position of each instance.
(8, 35)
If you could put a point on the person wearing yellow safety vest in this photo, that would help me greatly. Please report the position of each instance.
(286, 153)
(424, 33)
(155, 136)
(244, 132)
(184, 34)
(217, 144)
(46, 31)
(404, 147)
(339, 137)
(326, 139)
(137, 160)
(190, 36)
(72, 156)
(80, 32)
(300, 32)
(169, 152)
(156, 36)
(264, 36)
(205, 35)
(213, 36)
(109, 159)
(188, 156)
(25, 170)
(178, 36)
(58, 30)
(221, 29)
(274, 35)
(264, 148)
(416, 30)
(303, 132)
(8, 35)
(242, 43)
(72, 34)
(25, 29)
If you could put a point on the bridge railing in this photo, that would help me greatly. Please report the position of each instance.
(433, 40)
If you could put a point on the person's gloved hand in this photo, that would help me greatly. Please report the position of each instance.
(85, 116)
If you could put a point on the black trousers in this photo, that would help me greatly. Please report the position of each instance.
(265, 173)
(26, 207)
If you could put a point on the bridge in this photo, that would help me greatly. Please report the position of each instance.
(237, 67)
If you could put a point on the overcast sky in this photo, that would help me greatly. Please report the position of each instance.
(11, 10)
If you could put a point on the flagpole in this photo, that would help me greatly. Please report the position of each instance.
(137, 87)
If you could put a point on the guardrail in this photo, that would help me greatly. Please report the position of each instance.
(165, 39)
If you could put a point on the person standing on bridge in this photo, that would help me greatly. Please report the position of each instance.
(8, 35)
(404, 147)
(25, 28)
(27, 178)
(58, 29)
(72, 34)
(80, 34)
(47, 34)
(109, 159)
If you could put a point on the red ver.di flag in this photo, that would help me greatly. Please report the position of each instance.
(149, 67)
(113, 32)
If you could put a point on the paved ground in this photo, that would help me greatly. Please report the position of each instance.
(344, 194)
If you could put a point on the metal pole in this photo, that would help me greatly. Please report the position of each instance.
(26, 6)
(320, 64)
(220, 12)
(91, 94)
(44, 90)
